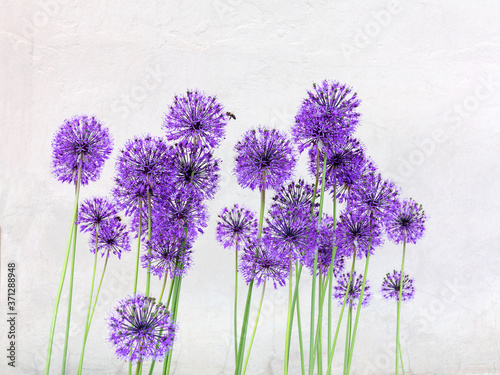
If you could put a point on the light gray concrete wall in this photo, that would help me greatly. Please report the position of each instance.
(428, 74)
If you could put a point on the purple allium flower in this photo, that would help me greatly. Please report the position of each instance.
(392, 283)
(195, 168)
(80, 142)
(112, 237)
(375, 197)
(236, 227)
(141, 329)
(327, 116)
(196, 117)
(144, 165)
(407, 222)
(289, 230)
(357, 234)
(344, 165)
(94, 212)
(296, 196)
(261, 262)
(265, 159)
(168, 256)
(354, 292)
(177, 213)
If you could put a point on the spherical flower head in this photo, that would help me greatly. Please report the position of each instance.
(236, 227)
(357, 235)
(94, 212)
(167, 256)
(344, 165)
(392, 284)
(375, 196)
(196, 117)
(195, 169)
(296, 196)
(265, 159)
(81, 143)
(407, 222)
(141, 329)
(112, 237)
(327, 116)
(353, 292)
(261, 262)
(143, 166)
(290, 230)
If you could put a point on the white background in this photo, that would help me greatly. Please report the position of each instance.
(429, 79)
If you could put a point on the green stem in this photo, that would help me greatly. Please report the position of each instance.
(148, 276)
(301, 344)
(138, 249)
(348, 338)
(175, 309)
(358, 310)
(330, 273)
(63, 275)
(401, 357)
(235, 313)
(255, 327)
(139, 368)
(398, 344)
(80, 365)
(289, 318)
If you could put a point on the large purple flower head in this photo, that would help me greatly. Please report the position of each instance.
(236, 227)
(392, 284)
(112, 237)
(323, 243)
(265, 159)
(196, 117)
(354, 291)
(327, 116)
(141, 329)
(357, 235)
(344, 165)
(168, 256)
(375, 197)
(261, 262)
(94, 212)
(296, 196)
(80, 143)
(195, 169)
(143, 166)
(290, 230)
(407, 222)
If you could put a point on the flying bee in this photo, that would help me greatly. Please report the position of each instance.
(231, 115)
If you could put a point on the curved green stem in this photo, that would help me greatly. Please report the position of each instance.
(398, 344)
(255, 327)
(235, 313)
(63, 275)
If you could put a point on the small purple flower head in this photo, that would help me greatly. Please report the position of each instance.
(357, 234)
(407, 222)
(236, 227)
(94, 212)
(196, 117)
(168, 256)
(195, 169)
(81, 142)
(375, 197)
(141, 329)
(265, 159)
(327, 116)
(392, 284)
(261, 262)
(354, 291)
(344, 165)
(144, 165)
(112, 237)
(296, 196)
(289, 230)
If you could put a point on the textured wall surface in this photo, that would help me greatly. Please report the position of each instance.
(428, 75)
